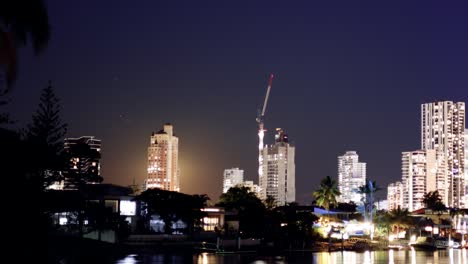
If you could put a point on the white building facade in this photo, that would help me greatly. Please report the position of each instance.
(231, 178)
(466, 167)
(395, 195)
(252, 187)
(442, 130)
(163, 160)
(351, 175)
(418, 177)
(279, 170)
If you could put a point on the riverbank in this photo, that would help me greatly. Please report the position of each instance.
(76, 250)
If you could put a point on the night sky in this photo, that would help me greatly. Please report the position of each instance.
(349, 75)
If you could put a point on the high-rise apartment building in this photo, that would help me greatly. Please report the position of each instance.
(279, 170)
(252, 187)
(88, 160)
(232, 177)
(466, 167)
(418, 177)
(351, 175)
(442, 129)
(163, 160)
(395, 195)
(84, 154)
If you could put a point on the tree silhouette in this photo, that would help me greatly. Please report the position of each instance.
(21, 22)
(368, 190)
(327, 194)
(45, 136)
(270, 202)
(400, 218)
(432, 200)
(249, 208)
(172, 206)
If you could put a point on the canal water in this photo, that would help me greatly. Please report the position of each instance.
(449, 256)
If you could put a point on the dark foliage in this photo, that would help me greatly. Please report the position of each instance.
(22, 22)
(44, 137)
(172, 206)
(249, 209)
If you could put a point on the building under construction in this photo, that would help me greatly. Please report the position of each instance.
(276, 166)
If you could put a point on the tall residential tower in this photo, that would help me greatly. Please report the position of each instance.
(279, 177)
(231, 178)
(395, 195)
(351, 175)
(163, 160)
(83, 167)
(466, 167)
(418, 177)
(442, 130)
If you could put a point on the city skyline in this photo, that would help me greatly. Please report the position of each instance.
(346, 77)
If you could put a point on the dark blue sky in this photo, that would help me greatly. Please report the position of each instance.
(349, 75)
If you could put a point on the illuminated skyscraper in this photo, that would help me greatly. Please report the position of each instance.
(84, 167)
(88, 163)
(163, 160)
(351, 175)
(442, 130)
(466, 167)
(418, 177)
(395, 195)
(278, 179)
(232, 177)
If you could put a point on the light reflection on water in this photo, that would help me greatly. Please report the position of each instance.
(452, 256)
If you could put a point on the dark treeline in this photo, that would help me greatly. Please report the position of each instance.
(33, 158)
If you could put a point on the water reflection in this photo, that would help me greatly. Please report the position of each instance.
(130, 259)
(454, 256)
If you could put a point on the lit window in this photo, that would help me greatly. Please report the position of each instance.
(127, 207)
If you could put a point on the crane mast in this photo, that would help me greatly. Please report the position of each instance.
(261, 130)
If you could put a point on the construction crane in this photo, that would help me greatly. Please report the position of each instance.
(262, 114)
(261, 130)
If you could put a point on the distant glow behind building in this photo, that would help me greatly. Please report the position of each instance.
(163, 160)
(232, 177)
(351, 175)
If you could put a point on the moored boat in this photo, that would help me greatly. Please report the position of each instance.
(424, 243)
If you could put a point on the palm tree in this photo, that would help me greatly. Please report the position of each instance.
(327, 194)
(270, 202)
(21, 22)
(431, 199)
(249, 208)
(383, 221)
(368, 190)
(399, 218)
